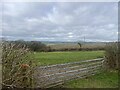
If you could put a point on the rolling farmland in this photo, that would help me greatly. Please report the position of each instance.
(70, 45)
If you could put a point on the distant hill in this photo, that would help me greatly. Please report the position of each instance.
(75, 46)
(58, 42)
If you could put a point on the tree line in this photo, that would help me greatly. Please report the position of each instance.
(41, 47)
(31, 45)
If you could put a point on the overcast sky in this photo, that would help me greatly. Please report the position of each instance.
(53, 21)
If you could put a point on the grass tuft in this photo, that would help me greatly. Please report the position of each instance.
(106, 79)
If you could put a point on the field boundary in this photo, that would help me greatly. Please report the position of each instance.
(53, 75)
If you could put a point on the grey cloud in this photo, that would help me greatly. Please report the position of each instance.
(61, 21)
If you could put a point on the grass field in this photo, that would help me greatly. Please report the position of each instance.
(0, 76)
(49, 58)
(108, 79)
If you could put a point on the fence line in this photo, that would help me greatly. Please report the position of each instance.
(75, 67)
(48, 76)
(83, 61)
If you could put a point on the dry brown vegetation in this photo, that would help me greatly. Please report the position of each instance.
(111, 55)
(16, 69)
(76, 47)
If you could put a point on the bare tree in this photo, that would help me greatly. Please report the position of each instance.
(80, 45)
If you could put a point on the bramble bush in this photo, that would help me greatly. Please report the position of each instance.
(17, 70)
(111, 55)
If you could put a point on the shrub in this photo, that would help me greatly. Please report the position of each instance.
(36, 46)
(32, 45)
(111, 55)
(16, 69)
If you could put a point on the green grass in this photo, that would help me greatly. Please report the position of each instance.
(103, 80)
(49, 58)
(0, 72)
